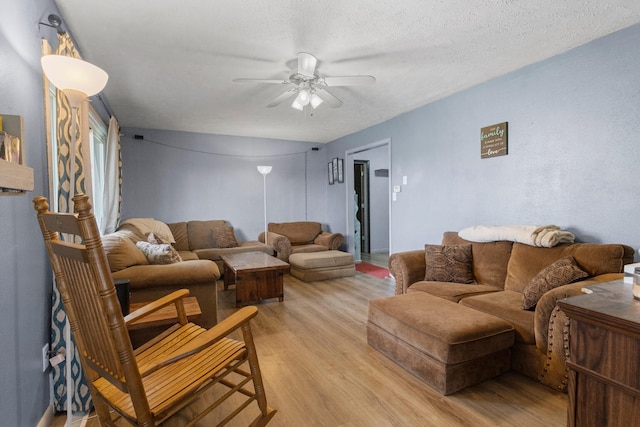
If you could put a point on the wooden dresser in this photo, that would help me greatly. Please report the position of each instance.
(604, 361)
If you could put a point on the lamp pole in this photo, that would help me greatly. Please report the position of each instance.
(264, 170)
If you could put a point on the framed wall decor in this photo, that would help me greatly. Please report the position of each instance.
(494, 140)
(334, 162)
(15, 177)
(340, 170)
(331, 180)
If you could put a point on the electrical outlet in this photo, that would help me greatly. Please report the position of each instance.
(45, 357)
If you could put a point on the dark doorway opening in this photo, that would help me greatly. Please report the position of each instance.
(361, 187)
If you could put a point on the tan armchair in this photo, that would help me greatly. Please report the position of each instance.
(288, 238)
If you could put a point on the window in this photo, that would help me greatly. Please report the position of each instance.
(98, 147)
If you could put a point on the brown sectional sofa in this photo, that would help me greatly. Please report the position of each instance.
(195, 237)
(502, 270)
(198, 271)
(288, 238)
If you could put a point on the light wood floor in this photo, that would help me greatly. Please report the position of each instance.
(319, 371)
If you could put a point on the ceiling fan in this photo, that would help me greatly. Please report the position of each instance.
(308, 87)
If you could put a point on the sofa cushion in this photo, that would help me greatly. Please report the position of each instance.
(527, 261)
(149, 225)
(214, 254)
(299, 249)
(449, 263)
(179, 231)
(490, 259)
(121, 251)
(298, 233)
(451, 291)
(156, 254)
(223, 237)
(181, 274)
(199, 233)
(561, 272)
(324, 259)
(508, 306)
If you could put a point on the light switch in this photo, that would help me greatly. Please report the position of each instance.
(404, 180)
(393, 197)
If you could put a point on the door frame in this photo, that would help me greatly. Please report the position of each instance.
(349, 181)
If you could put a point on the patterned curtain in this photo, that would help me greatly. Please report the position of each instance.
(80, 397)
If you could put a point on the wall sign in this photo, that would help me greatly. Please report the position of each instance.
(494, 141)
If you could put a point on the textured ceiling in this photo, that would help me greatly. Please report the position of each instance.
(171, 64)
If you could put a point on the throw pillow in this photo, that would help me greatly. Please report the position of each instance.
(223, 237)
(159, 254)
(449, 263)
(122, 251)
(562, 272)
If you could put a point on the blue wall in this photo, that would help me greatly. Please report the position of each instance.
(181, 176)
(25, 278)
(574, 151)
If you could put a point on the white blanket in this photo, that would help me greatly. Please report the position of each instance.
(545, 236)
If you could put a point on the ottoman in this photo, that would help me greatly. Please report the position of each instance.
(447, 345)
(312, 266)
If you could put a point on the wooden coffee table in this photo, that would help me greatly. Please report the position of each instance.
(257, 276)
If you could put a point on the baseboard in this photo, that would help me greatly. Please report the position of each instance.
(47, 417)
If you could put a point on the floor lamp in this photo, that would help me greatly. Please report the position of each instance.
(264, 170)
(78, 80)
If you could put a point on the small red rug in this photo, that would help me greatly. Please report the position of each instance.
(373, 270)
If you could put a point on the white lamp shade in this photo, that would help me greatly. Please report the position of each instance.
(315, 101)
(67, 73)
(264, 170)
(303, 97)
(295, 104)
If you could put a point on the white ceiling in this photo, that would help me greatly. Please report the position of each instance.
(171, 63)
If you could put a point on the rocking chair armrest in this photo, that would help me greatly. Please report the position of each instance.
(173, 298)
(205, 339)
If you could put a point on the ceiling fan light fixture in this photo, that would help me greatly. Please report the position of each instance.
(295, 104)
(315, 101)
(303, 97)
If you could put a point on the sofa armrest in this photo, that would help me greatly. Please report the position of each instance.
(329, 240)
(407, 268)
(547, 304)
(280, 244)
(150, 282)
(551, 328)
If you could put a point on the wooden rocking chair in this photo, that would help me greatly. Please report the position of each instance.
(163, 376)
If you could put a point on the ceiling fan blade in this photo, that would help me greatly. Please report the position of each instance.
(327, 97)
(307, 64)
(281, 98)
(349, 81)
(283, 82)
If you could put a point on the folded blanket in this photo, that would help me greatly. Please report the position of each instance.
(545, 236)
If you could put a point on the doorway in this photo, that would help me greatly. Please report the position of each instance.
(361, 201)
(377, 210)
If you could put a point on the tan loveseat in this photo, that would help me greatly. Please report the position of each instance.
(288, 238)
(199, 269)
(501, 272)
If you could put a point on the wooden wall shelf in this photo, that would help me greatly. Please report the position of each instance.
(15, 178)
